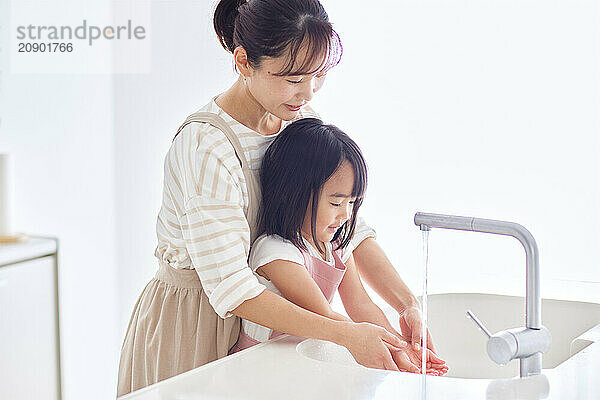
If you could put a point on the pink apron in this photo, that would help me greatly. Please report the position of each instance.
(327, 277)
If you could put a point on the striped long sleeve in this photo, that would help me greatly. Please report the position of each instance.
(217, 238)
(203, 184)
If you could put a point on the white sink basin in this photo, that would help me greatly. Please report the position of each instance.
(463, 346)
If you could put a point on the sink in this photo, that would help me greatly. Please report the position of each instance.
(574, 325)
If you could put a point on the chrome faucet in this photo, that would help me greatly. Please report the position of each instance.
(526, 344)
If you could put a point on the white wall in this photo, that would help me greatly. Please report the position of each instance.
(59, 130)
(486, 109)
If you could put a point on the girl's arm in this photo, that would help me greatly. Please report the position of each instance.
(295, 284)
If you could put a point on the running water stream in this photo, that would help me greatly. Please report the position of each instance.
(425, 234)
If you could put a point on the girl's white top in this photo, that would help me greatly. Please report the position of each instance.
(202, 221)
(266, 249)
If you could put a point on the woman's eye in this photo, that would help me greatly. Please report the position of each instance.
(295, 82)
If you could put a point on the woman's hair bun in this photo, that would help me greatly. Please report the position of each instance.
(224, 22)
(276, 28)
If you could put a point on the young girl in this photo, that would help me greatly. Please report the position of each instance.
(313, 179)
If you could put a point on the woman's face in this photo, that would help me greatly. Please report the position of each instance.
(282, 96)
(335, 205)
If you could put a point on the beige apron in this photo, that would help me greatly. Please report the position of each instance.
(173, 327)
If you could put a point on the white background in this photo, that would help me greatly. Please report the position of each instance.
(487, 109)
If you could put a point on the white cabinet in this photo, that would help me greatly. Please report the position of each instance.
(29, 334)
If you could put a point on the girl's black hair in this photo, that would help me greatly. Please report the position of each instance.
(294, 169)
(273, 28)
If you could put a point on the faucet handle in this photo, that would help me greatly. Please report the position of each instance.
(501, 347)
(479, 323)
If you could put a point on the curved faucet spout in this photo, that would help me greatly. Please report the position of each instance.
(533, 300)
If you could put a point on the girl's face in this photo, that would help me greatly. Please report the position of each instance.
(335, 205)
(282, 96)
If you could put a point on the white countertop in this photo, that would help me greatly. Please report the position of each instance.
(30, 247)
(275, 370)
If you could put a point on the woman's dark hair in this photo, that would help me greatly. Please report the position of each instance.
(294, 169)
(273, 28)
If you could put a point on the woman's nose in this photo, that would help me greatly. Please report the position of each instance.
(309, 89)
(318, 82)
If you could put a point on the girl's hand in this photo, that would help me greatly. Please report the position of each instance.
(407, 357)
(407, 354)
(370, 345)
(403, 361)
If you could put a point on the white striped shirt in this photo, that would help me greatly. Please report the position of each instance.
(202, 221)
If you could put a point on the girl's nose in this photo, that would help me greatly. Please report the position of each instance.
(345, 213)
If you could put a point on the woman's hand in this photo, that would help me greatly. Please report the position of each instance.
(371, 345)
(411, 325)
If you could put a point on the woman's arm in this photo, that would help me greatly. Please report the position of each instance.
(377, 270)
(379, 273)
(357, 302)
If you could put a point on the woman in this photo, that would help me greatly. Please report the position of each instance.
(188, 314)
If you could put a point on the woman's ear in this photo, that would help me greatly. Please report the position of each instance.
(240, 57)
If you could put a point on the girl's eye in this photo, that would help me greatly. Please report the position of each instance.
(294, 82)
(336, 205)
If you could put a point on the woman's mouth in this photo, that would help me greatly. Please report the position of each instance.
(293, 108)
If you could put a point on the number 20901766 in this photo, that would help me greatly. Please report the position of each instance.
(45, 47)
